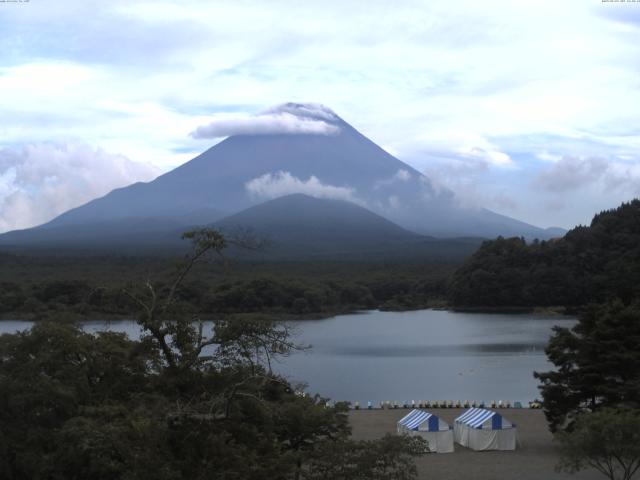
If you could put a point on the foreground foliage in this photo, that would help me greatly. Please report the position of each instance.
(592, 398)
(180, 403)
(607, 440)
(387, 459)
(597, 363)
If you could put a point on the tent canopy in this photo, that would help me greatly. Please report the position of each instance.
(422, 421)
(481, 418)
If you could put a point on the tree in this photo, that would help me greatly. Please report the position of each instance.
(607, 440)
(597, 363)
(56, 376)
(306, 422)
(588, 264)
(390, 458)
(179, 403)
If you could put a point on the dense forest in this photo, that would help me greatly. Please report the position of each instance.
(35, 287)
(589, 264)
(181, 402)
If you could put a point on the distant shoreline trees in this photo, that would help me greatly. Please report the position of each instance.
(279, 290)
(588, 265)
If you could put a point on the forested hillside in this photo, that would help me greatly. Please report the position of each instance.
(44, 287)
(589, 264)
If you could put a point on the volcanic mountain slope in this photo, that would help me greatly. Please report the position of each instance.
(293, 227)
(296, 226)
(245, 170)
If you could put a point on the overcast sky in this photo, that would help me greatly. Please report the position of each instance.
(529, 108)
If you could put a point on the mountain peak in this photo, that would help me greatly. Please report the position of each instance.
(312, 111)
(285, 119)
(293, 148)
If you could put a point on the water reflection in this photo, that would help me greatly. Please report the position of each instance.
(437, 350)
(424, 354)
(427, 354)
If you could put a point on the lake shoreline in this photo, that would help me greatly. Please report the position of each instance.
(516, 310)
(97, 316)
(387, 356)
(559, 311)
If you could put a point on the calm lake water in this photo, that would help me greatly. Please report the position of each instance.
(403, 356)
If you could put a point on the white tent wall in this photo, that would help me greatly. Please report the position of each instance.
(435, 431)
(457, 432)
(439, 442)
(481, 439)
(480, 429)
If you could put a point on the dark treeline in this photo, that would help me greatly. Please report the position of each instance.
(590, 264)
(37, 287)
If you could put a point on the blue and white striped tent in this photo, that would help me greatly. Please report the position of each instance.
(481, 429)
(435, 431)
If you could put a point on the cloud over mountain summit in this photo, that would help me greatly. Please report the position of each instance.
(289, 118)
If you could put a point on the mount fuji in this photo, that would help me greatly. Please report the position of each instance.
(290, 149)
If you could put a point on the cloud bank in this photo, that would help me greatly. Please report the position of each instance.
(401, 176)
(428, 67)
(41, 181)
(300, 119)
(572, 173)
(304, 110)
(279, 184)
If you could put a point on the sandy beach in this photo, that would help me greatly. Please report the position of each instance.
(534, 459)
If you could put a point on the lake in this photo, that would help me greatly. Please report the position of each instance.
(402, 356)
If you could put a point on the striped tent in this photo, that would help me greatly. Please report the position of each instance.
(481, 429)
(435, 431)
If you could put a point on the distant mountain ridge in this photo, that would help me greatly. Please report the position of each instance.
(292, 227)
(299, 225)
(247, 170)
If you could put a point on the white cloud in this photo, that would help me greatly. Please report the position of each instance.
(287, 118)
(41, 181)
(265, 124)
(573, 173)
(393, 71)
(570, 173)
(304, 110)
(623, 176)
(273, 185)
(463, 147)
(468, 190)
(492, 156)
(394, 202)
(548, 157)
(402, 175)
